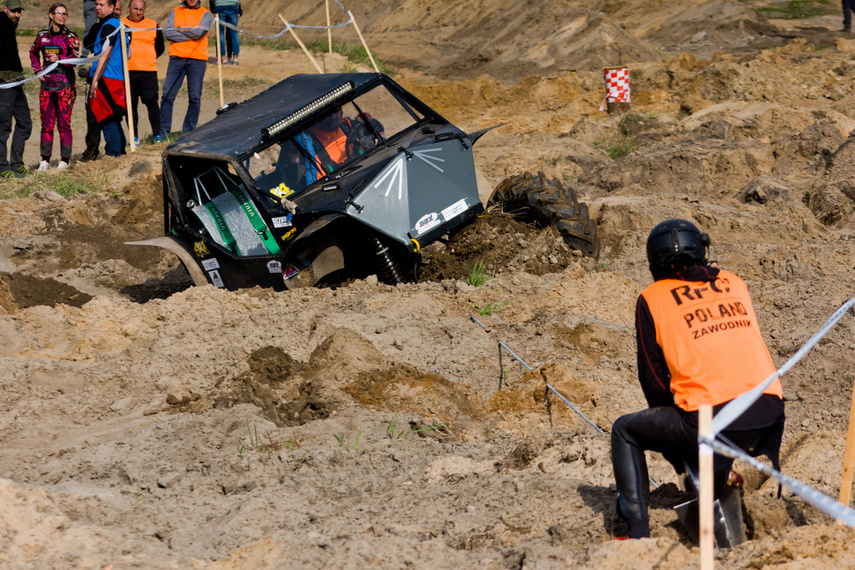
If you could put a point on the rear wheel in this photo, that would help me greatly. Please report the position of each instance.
(546, 201)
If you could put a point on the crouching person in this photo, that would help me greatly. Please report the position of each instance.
(698, 344)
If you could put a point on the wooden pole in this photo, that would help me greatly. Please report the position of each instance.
(848, 457)
(122, 36)
(302, 45)
(219, 58)
(365, 45)
(329, 29)
(705, 493)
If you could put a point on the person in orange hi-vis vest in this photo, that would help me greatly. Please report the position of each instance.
(187, 32)
(146, 46)
(698, 343)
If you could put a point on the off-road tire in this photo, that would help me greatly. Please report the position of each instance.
(547, 202)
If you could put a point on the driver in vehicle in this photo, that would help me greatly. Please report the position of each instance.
(323, 148)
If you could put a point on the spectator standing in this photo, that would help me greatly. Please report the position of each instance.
(13, 102)
(187, 32)
(89, 20)
(107, 92)
(229, 12)
(146, 46)
(93, 131)
(58, 90)
(848, 7)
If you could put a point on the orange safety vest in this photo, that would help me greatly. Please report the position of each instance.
(334, 142)
(709, 335)
(142, 55)
(191, 49)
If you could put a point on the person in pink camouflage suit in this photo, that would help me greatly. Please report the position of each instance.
(58, 90)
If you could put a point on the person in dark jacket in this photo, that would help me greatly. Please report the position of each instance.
(698, 343)
(13, 102)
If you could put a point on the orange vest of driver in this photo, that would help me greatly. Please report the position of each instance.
(142, 55)
(708, 332)
(190, 49)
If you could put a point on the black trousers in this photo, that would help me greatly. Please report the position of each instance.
(93, 131)
(14, 107)
(144, 87)
(674, 433)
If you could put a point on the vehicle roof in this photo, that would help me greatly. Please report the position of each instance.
(238, 130)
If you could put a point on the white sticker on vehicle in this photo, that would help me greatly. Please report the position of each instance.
(427, 223)
(455, 209)
(210, 264)
(216, 279)
(274, 266)
(281, 222)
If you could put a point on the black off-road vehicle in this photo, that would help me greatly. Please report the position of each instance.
(326, 177)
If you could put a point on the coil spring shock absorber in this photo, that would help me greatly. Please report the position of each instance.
(388, 267)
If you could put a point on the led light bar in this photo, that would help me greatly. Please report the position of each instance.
(301, 114)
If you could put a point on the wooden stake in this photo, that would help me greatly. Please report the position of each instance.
(219, 58)
(329, 29)
(848, 458)
(127, 88)
(365, 45)
(302, 45)
(705, 493)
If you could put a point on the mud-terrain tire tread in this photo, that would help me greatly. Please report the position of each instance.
(547, 200)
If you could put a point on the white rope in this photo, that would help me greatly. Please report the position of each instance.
(88, 60)
(821, 501)
(737, 407)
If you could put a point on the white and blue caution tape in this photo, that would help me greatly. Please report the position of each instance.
(737, 407)
(88, 60)
(819, 500)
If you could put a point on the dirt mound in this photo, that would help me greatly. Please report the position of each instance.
(19, 291)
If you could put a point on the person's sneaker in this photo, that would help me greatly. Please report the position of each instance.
(158, 139)
(234, 60)
(846, 29)
(22, 170)
(225, 61)
(11, 174)
(137, 141)
(44, 166)
(62, 165)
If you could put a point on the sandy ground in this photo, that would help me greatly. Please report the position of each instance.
(146, 423)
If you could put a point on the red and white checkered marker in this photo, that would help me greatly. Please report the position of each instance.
(617, 85)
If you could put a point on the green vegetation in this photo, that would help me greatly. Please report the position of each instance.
(395, 431)
(345, 443)
(478, 275)
(799, 9)
(355, 53)
(255, 442)
(494, 308)
(67, 184)
(625, 141)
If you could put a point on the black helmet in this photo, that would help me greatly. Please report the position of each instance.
(675, 245)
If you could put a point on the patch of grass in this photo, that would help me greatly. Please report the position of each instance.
(494, 308)
(344, 442)
(478, 274)
(395, 431)
(256, 443)
(625, 141)
(66, 184)
(138, 496)
(355, 53)
(799, 9)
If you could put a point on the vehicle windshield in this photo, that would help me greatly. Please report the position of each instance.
(339, 137)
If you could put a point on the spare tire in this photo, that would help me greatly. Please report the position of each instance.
(546, 201)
